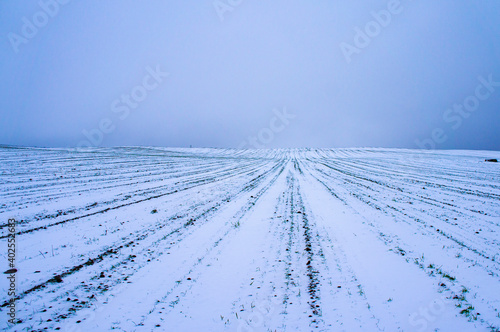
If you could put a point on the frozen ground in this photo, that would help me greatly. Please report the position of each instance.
(275, 240)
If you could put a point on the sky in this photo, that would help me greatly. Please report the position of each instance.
(250, 74)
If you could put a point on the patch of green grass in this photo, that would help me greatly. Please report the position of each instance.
(467, 311)
(445, 275)
(401, 251)
(360, 291)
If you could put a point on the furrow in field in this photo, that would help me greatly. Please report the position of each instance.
(182, 220)
(437, 219)
(179, 239)
(183, 267)
(183, 185)
(402, 239)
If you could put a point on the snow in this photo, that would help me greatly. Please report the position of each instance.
(173, 239)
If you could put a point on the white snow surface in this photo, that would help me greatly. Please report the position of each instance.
(164, 239)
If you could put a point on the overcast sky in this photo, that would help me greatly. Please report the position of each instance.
(229, 73)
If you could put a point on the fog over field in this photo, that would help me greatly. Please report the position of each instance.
(388, 73)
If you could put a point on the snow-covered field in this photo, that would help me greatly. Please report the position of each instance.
(264, 240)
